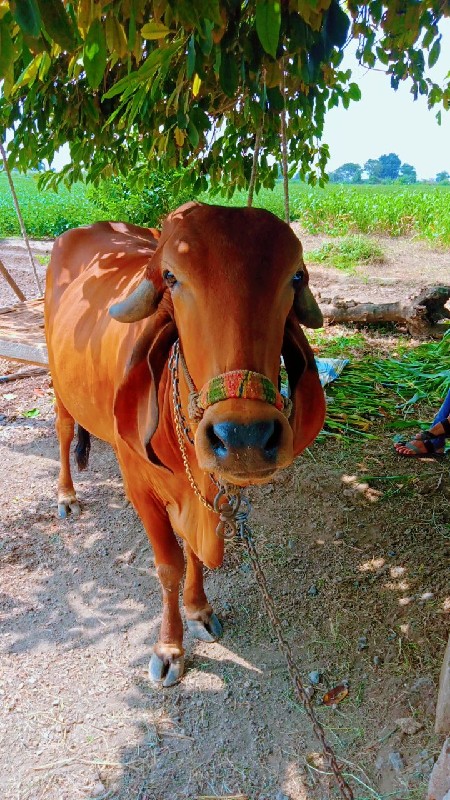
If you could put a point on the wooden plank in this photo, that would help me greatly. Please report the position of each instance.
(25, 353)
(22, 335)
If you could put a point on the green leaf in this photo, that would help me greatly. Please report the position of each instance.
(6, 48)
(268, 22)
(94, 54)
(32, 412)
(434, 53)
(28, 76)
(193, 135)
(206, 41)
(191, 58)
(337, 24)
(154, 30)
(57, 23)
(229, 73)
(26, 13)
(354, 92)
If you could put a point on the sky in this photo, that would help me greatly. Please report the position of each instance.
(384, 121)
(387, 121)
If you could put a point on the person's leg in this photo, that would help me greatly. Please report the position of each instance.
(423, 443)
(442, 416)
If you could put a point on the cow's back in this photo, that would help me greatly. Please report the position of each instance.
(90, 269)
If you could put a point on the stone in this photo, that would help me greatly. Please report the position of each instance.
(408, 725)
(315, 677)
(98, 789)
(439, 785)
(396, 761)
(442, 722)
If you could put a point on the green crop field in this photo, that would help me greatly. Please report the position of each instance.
(45, 213)
(419, 210)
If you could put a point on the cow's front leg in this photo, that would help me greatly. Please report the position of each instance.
(167, 662)
(201, 620)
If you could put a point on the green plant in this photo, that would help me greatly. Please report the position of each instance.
(348, 253)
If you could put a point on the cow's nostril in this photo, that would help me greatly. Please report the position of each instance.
(230, 436)
(217, 444)
(275, 437)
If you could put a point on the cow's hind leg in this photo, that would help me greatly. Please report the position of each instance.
(67, 499)
(201, 620)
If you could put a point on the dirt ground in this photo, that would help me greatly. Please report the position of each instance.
(355, 543)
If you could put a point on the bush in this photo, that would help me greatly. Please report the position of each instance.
(142, 200)
(347, 253)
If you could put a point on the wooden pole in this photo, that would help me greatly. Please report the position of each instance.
(284, 150)
(251, 188)
(19, 216)
(12, 282)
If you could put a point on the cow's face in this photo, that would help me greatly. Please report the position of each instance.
(234, 277)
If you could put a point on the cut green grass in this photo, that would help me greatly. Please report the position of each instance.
(388, 389)
(348, 253)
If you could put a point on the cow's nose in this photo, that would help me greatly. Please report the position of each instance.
(227, 437)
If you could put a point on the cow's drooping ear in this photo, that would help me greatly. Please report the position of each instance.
(136, 407)
(307, 395)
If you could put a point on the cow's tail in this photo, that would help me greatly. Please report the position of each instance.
(83, 447)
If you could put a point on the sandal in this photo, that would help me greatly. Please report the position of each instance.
(428, 448)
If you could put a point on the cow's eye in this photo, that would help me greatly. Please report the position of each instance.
(169, 278)
(297, 279)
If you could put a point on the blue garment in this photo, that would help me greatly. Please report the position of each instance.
(441, 415)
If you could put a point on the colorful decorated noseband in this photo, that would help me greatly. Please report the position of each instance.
(243, 384)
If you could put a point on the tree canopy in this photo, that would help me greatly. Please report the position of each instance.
(347, 173)
(385, 169)
(193, 83)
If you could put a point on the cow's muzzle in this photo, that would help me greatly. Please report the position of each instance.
(243, 441)
(243, 434)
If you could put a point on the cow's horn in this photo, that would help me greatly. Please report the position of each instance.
(307, 309)
(139, 304)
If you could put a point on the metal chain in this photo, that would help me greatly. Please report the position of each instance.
(233, 509)
(173, 367)
(302, 695)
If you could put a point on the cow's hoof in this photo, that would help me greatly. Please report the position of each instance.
(165, 673)
(206, 631)
(69, 507)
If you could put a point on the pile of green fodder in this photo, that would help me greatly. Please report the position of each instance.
(390, 389)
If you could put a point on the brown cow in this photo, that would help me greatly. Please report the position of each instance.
(230, 285)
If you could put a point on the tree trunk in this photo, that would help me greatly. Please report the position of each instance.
(421, 314)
